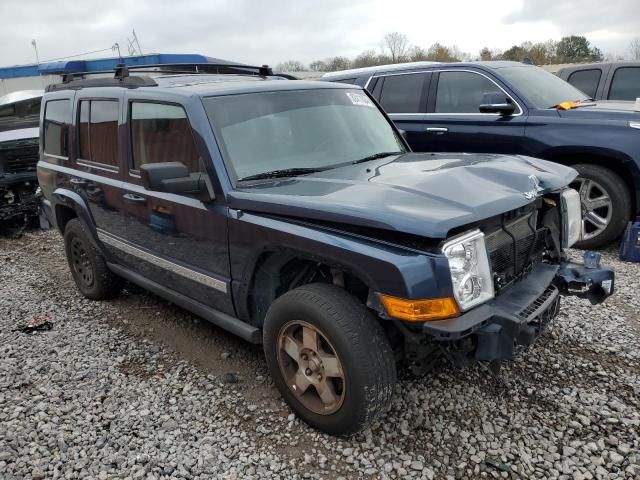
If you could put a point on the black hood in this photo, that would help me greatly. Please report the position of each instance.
(419, 193)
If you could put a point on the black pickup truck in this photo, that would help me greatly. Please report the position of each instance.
(293, 214)
(605, 81)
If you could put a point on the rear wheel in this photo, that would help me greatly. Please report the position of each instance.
(88, 268)
(329, 357)
(606, 205)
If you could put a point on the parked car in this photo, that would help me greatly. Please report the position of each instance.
(509, 107)
(605, 81)
(19, 117)
(293, 214)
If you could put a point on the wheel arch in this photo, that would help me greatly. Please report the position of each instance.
(68, 205)
(274, 271)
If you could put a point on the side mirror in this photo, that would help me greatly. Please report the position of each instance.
(497, 103)
(174, 177)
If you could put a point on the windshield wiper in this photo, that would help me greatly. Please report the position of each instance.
(375, 156)
(286, 172)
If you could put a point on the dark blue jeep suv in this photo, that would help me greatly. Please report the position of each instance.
(509, 107)
(293, 214)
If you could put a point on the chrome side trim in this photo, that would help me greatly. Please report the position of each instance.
(173, 267)
(96, 166)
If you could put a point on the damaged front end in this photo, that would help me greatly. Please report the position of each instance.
(19, 143)
(19, 202)
(529, 272)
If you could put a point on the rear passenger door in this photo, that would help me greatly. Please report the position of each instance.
(453, 122)
(404, 97)
(177, 241)
(97, 157)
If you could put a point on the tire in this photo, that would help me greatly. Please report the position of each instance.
(602, 180)
(348, 330)
(88, 267)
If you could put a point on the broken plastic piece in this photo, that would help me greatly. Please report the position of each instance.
(39, 323)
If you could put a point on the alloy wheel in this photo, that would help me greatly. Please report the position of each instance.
(81, 262)
(597, 207)
(311, 367)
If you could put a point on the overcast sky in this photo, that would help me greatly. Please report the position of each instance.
(271, 31)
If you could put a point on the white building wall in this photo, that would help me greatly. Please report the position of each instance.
(8, 85)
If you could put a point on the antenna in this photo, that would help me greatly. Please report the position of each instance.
(134, 44)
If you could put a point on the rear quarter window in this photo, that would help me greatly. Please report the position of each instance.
(625, 84)
(57, 118)
(586, 81)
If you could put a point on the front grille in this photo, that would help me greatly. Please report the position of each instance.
(514, 248)
(21, 157)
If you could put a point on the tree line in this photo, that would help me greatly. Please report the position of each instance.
(397, 49)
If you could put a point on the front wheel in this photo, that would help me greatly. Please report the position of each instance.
(606, 205)
(329, 357)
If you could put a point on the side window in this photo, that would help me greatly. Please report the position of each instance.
(586, 81)
(404, 93)
(57, 117)
(625, 84)
(98, 131)
(161, 133)
(461, 92)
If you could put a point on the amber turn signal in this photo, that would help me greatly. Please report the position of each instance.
(420, 310)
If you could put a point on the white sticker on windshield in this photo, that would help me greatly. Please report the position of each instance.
(360, 99)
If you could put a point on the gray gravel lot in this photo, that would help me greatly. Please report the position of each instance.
(135, 388)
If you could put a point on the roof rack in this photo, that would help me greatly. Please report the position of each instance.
(123, 78)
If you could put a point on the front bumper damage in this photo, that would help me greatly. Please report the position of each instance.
(515, 318)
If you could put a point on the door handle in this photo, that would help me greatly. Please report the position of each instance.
(437, 130)
(133, 198)
(79, 182)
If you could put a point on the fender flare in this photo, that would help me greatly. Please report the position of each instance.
(72, 200)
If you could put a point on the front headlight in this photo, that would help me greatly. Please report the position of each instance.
(571, 217)
(469, 266)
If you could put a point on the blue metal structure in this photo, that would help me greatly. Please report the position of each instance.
(103, 64)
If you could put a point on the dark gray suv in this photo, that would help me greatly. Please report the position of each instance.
(294, 215)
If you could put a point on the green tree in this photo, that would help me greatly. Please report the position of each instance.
(368, 58)
(486, 55)
(417, 54)
(576, 48)
(515, 53)
(440, 53)
(335, 64)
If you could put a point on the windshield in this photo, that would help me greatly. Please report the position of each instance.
(540, 87)
(299, 129)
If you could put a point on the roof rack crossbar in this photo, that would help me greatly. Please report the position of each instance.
(122, 71)
(123, 78)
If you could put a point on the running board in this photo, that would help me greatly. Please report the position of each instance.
(221, 319)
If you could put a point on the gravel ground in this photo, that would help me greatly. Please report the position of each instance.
(138, 388)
